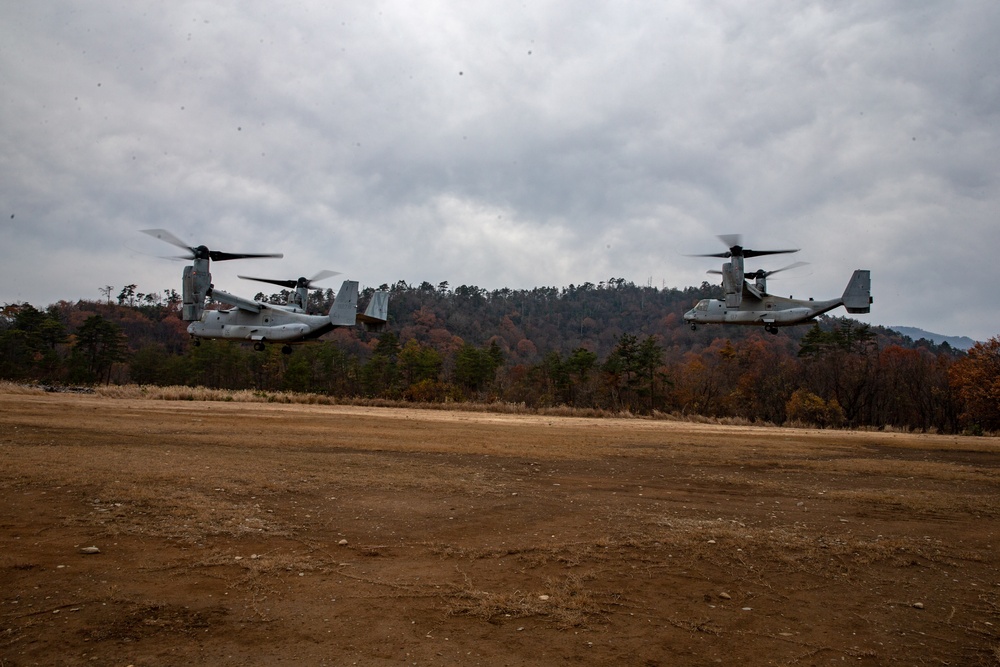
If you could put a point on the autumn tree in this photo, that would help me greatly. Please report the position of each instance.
(841, 364)
(418, 362)
(127, 296)
(420, 368)
(913, 390)
(634, 374)
(219, 364)
(762, 378)
(580, 366)
(976, 378)
(706, 379)
(152, 364)
(808, 408)
(476, 367)
(98, 346)
(381, 374)
(29, 341)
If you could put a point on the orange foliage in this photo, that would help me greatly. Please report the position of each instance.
(977, 380)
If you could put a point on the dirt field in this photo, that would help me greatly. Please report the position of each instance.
(263, 534)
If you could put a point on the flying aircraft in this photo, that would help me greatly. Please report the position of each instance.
(751, 304)
(260, 322)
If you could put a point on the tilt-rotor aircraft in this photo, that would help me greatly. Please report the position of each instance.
(260, 322)
(750, 304)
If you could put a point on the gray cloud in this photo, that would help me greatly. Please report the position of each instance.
(501, 145)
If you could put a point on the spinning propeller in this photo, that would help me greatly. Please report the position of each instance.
(735, 244)
(202, 252)
(761, 273)
(295, 284)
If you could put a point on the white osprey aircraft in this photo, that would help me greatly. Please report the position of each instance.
(752, 305)
(260, 322)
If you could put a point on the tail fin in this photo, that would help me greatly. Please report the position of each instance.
(376, 313)
(345, 305)
(858, 295)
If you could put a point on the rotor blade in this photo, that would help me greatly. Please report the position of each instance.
(761, 253)
(219, 256)
(786, 268)
(761, 273)
(323, 275)
(723, 255)
(731, 240)
(280, 283)
(202, 251)
(735, 244)
(164, 235)
(300, 282)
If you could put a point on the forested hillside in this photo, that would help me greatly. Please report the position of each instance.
(614, 346)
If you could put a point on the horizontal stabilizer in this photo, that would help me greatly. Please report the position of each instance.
(345, 305)
(858, 295)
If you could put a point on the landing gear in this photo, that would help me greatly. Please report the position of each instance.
(771, 329)
(287, 349)
(694, 327)
(259, 346)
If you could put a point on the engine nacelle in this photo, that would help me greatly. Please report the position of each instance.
(732, 284)
(196, 285)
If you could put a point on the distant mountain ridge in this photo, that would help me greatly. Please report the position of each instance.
(957, 342)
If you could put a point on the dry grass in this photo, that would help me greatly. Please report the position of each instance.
(567, 601)
(7, 387)
(184, 393)
(185, 515)
(138, 620)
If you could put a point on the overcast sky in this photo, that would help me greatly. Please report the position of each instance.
(506, 144)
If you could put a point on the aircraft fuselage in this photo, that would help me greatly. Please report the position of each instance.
(770, 311)
(272, 323)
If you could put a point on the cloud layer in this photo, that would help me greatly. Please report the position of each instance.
(500, 144)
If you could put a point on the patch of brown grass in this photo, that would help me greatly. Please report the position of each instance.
(567, 601)
(7, 387)
(134, 621)
(183, 514)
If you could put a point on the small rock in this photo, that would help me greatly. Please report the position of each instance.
(725, 596)
(918, 605)
(90, 550)
(342, 543)
(711, 541)
(543, 597)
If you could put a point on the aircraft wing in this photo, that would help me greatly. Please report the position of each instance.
(751, 292)
(238, 301)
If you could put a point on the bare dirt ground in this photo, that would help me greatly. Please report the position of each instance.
(263, 534)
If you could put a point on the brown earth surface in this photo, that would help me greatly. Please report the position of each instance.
(266, 534)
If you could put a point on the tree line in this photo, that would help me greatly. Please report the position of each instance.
(612, 346)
